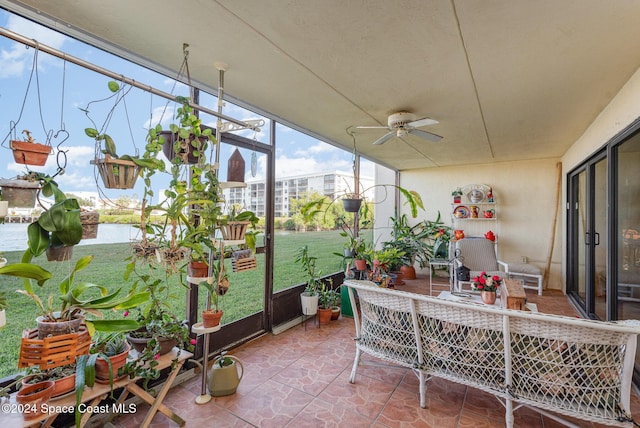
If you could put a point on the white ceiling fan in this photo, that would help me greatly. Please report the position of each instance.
(403, 123)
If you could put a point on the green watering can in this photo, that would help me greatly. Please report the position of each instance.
(223, 378)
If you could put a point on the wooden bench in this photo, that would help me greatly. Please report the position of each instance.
(572, 367)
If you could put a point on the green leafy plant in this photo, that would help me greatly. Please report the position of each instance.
(60, 224)
(308, 263)
(75, 298)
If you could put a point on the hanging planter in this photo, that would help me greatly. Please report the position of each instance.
(234, 230)
(351, 205)
(29, 152)
(19, 193)
(174, 146)
(117, 173)
(90, 221)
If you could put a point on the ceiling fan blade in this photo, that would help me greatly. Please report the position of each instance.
(384, 138)
(422, 122)
(426, 135)
(372, 127)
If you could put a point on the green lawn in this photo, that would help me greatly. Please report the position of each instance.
(245, 295)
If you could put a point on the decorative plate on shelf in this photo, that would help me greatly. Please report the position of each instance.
(475, 196)
(461, 211)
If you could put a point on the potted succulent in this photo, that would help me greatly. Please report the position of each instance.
(309, 298)
(76, 299)
(112, 349)
(29, 152)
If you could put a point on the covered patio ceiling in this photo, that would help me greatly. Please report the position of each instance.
(506, 79)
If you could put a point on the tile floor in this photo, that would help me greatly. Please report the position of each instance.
(299, 378)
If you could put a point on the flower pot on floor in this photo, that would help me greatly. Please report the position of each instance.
(309, 303)
(324, 315)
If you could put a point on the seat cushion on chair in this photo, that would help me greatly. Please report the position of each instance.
(499, 273)
(524, 268)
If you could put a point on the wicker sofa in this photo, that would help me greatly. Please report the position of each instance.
(568, 366)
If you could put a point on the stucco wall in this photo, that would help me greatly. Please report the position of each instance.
(525, 195)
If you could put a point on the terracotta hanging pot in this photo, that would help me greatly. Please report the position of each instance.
(27, 153)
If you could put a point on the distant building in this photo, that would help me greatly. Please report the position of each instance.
(331, 184)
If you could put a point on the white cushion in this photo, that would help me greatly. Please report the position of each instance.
(525, 268)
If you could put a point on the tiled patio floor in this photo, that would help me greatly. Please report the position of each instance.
(299, 378)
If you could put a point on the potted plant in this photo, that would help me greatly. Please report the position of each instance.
(75, 299)
(20, 192)
(335, 301)
(185, 143)
(325, 303)
(29, 152)
(34, 397)
(351, 202)
(118, 172)
(63, 377)
(112, 350)
(160, 330)
(309, 298)
(457, 195)
(234, 225)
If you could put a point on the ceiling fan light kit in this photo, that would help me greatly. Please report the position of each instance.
(402, 124)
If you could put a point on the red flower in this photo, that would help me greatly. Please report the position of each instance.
(155, 357)
(193, 341)
(125, 314)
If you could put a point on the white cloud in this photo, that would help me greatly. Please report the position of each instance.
(35, 31)
(19, 58)
(161, 115)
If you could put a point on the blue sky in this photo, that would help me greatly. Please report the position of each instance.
(296, 153)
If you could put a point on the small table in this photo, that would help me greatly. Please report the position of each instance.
(475, 298)
(440, 262)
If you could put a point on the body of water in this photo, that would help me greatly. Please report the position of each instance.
(13, 236)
